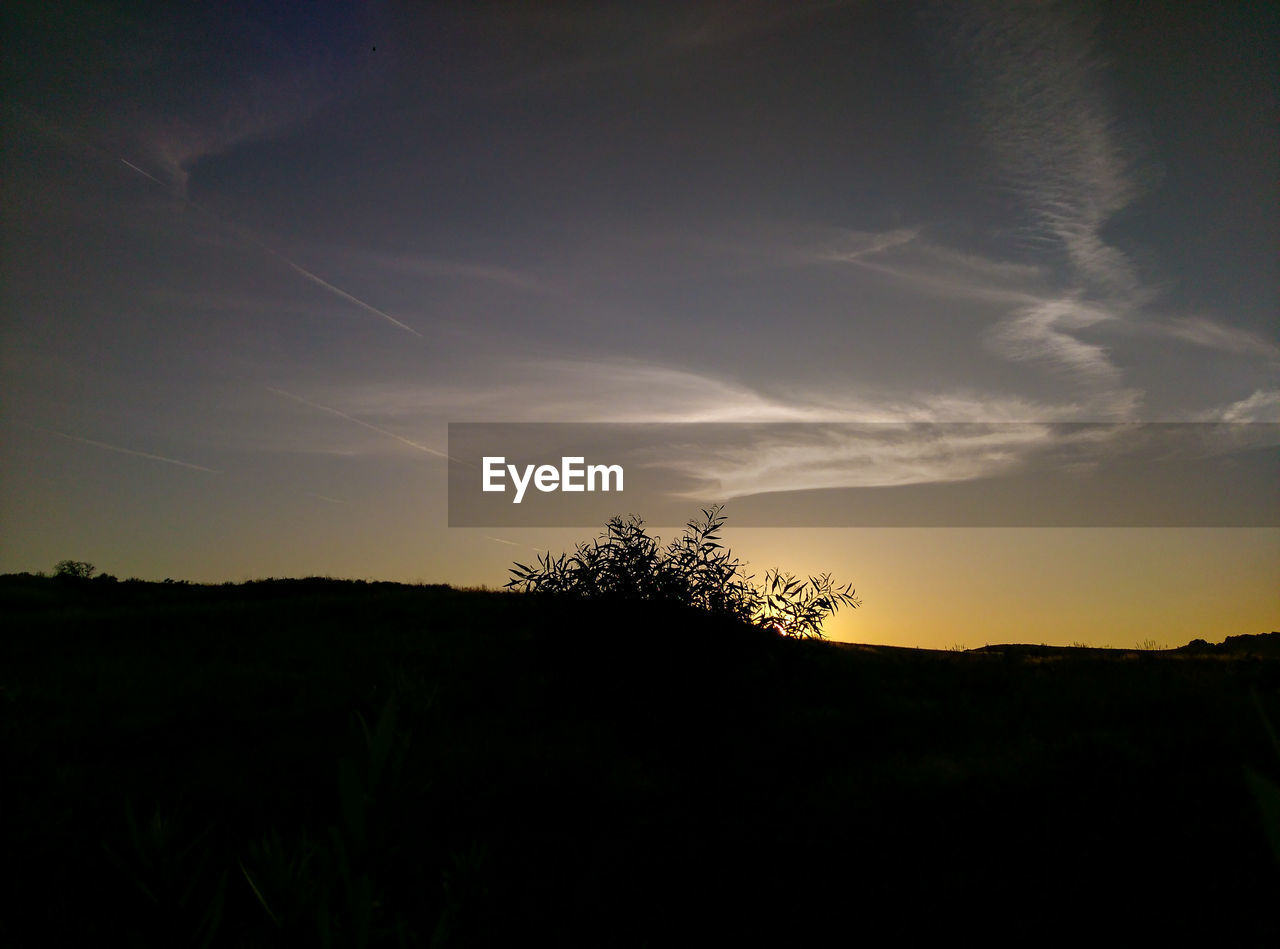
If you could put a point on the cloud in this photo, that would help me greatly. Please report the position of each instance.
(1262, 406)
(927, 438)
(614, 390)
(438, 268)
(1041, 101)
(782, 459)
(903, 255)
(1228, 339)
(599, 390)
(810, 439)
(850, 246)
(1038, 323)
(825, 456)
(932, 268)
(1039, 90)
(1043, 332)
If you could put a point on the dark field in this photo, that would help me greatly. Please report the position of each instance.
(189, 765)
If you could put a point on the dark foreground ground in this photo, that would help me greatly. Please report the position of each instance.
(318, 762)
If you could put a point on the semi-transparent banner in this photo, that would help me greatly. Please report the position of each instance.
(969, 474)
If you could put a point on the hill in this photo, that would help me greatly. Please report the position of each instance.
(394, 765)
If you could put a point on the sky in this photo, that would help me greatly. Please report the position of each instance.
(256, 257)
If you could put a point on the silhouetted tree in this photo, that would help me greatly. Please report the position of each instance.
(76, 569)
(626, 564)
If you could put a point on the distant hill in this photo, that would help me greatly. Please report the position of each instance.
(1262, 644)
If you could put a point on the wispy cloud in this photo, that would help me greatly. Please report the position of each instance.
(830, 456)
(1228, 339)
(1043, 332)
(556, 390)
(811, 439)
(849, 246)
(633, 391)
(789, 458)
(325, 497)
(1041, 323)
(1040, 91)
(932, 268)
(439, 268)
(1040, 94)
(1262, 406)
(1035, 321)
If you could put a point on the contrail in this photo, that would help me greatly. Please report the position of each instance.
(52, 128)
(143, 173)
(512, 543)
(352, 418)
(129, 451)
(303, 271)
(343, 293)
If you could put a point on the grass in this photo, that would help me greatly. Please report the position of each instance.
(360, 764)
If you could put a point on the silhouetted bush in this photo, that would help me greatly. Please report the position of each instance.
(75, 569)
(626, 564)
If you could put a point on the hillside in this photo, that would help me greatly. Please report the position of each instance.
(246, 764)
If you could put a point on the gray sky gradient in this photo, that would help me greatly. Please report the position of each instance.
(290, 243)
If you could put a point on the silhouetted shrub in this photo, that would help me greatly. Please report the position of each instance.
(626, 564)
(75, 569)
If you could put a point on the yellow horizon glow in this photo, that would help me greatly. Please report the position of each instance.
(942, 587)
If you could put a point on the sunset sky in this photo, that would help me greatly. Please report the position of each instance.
(257, 256)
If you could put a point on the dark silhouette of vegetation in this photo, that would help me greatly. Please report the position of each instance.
(314, 762)
(625, 563)
(1266, 791)
(73, 569)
